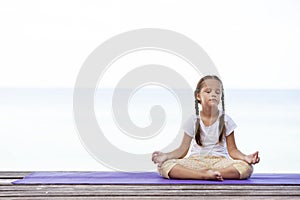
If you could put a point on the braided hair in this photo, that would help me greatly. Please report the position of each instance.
(222, 128)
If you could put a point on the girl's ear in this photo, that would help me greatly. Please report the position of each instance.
(199, 97)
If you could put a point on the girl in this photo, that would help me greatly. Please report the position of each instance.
(211, 133)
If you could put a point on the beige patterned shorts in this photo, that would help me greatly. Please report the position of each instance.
(209, 162)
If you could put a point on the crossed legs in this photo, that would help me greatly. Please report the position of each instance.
(214, 168)
(180, 172)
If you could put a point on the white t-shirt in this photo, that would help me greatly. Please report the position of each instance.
(209, 136)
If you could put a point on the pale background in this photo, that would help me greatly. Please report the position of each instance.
(254, 44)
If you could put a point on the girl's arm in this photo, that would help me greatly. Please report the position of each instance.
(160, 157)
(237, 154)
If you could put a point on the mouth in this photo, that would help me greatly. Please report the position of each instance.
(213, 100)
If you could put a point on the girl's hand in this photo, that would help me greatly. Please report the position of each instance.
(159, 158)
(252, 158)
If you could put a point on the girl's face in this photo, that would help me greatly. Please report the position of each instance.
(210, 93)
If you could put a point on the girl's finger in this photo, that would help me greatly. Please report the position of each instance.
(153, 157)
(154, 153)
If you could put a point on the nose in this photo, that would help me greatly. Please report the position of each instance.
(214, 94)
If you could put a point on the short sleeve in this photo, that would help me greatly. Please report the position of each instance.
(189, 126)
(230, 125)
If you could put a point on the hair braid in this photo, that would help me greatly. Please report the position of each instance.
(222, 127)
(198, 127)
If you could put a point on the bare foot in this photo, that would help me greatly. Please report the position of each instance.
(180, 172)
(212, 175)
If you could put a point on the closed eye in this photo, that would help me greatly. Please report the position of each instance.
(208, 91)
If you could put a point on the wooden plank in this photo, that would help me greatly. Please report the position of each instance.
(130, 193)
(6, 182)
(146, 192)
(158, 197)
(153, 187)
(13, 174)
(116, 188)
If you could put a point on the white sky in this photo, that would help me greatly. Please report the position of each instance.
(254, 44)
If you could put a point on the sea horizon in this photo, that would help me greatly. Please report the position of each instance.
(39, 132)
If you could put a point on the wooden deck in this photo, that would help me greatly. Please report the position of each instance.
(188, 192)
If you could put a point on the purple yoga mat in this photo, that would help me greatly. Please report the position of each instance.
(146, 178)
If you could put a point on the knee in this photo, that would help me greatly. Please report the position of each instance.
(245, 170)
(166, 167)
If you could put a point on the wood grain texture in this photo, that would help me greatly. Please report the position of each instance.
(10, 191)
